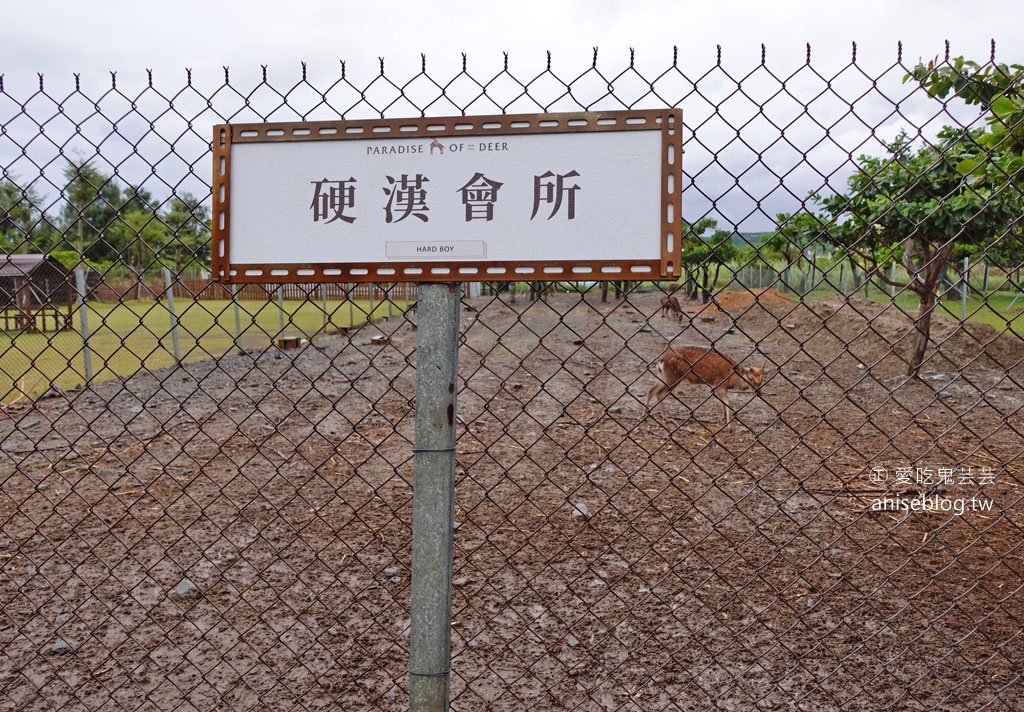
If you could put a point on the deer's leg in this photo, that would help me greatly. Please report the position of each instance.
(657, 393)
(723, 395)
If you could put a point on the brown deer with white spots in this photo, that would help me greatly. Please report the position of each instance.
(706, 366)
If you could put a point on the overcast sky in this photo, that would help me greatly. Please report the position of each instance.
(61, 38)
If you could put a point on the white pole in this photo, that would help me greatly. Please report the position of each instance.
(83, 319)
(323, 299)
(280, 307)
(169, 283)
(238, 319)
(964, 288)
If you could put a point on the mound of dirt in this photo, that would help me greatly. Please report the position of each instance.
(976, 343)
(766, 297)
(876, 330)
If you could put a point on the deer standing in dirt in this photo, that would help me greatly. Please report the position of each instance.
(702, 365)
(670, 307)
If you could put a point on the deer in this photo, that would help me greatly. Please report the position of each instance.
(670, 306)
(706, 366)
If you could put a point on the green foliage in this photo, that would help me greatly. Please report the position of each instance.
(187, 220)
(92, 200)
(794, 233)
(103, 222)
(68, 258)
(700, 252)
(916, 201)
(20, 218)
(140, 235)
(999, 90)
(914, 205)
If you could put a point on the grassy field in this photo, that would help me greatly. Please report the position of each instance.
(997, 309)
(1000, 307)
(134, 335)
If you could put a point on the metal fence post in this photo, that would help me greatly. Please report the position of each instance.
(433, 500)
(83, 319)
(280, 307)
(169, 282)
(965, 287)
(323, 301)
(238, 319)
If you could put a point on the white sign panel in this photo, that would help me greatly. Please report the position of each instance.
(587, 196)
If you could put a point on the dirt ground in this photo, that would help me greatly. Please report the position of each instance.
(235, 534)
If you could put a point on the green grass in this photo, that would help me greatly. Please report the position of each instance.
(997, 309)
(136, 335)
(127, 337)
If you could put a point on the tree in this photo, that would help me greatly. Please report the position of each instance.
(20, 218)
(188, 224)
(92, 201)
(913, 205)
(999, 90)
(794, 233)
(699, 253)
(136, 234)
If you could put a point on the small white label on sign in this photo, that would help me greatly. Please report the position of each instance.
(437, 250)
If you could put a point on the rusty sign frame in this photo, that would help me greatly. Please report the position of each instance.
(668, 122)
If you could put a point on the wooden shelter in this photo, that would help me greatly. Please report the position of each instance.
(36, 293)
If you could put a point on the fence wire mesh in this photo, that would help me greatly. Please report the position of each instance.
(206, 494)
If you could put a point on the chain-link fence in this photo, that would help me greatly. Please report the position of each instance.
(206, 495)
